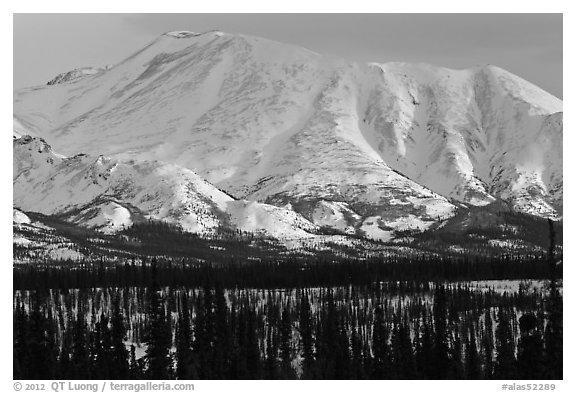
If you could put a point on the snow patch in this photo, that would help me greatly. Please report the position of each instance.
(19, 217)
(371, 228)
(332, 214)
(409, 222)
(22, 241)
(65, 254)
(436, 209)
(110, 218)
(267, 219)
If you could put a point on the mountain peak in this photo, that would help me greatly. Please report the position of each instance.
(191, 34)
(181, 34)
(521, 90)
(364, 148)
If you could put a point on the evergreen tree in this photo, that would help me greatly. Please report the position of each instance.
(342, 365)
(100, 349)
(135, 368)
(21, 357)
(253, 359)
(159, 340)
(505, 366)
(424, 356)
(272, 368)
(119, 353)
(287, 372)
(64, 366)
(382, 360)
(440, 349)
(185, 367)
(357, 366)
(488, 346)
(239, 367)
(306, 340)
(329, 358)
(201, 345)
(39, 355)
(221, 335)
(80, 359)
(402, 353)
(472, 363)
(530, 349)
(457, 369)
(51, 342)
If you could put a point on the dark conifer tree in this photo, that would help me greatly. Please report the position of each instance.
(380, 347)
(505, 366)
(159, 339)
(201, 345)
(287, 372)
(64, 366)
(530, 349)
(457, 364)
(119, 353)
(185, 367)
(253, 358)
(472, 363)
(221, 335)
(424, 356)
(329, 359)
(20, 340)
(81, 364)
(100, 349)
(40, 363)
(402, 352)
(135, 368)
(488, 345)
(52, 342)
(239, 367)
(342, 365)
(357, 366)
(368, 360)
(306, 340)
(272, 368)
(440, 349)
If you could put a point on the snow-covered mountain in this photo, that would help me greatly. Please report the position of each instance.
(107, 194)
(362, 148)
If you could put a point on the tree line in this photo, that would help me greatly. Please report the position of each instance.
(376, 331)
(291, 273)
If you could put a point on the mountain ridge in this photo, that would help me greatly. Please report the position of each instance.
(99, 192)
(357, 147)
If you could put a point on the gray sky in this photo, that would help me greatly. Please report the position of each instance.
(528, 45)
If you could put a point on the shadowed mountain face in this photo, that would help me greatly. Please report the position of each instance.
(362, 148)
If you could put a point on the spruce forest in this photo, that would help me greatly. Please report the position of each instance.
(313, 318)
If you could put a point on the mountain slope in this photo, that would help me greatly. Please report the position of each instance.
(363, 148)
(111, 195)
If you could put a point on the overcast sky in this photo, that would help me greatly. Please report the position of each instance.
(528, 45)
